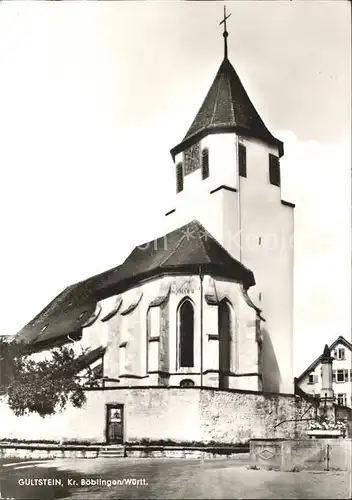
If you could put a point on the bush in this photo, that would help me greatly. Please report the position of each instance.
(43, 387)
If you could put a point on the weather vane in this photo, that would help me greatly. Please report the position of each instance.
(225, 34)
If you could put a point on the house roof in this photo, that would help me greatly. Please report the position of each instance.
(227, 107)
(339, 340)
(182, 251)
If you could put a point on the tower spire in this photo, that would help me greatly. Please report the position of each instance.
(225, 33)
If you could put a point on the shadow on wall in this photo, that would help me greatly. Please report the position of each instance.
(270, 367)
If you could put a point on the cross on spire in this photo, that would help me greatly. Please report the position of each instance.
(225, 34)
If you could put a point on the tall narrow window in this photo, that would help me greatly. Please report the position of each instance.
(274, 170)
(186, 334)
(205, 163)
(242, 160)
(179, 177)
(224, 321)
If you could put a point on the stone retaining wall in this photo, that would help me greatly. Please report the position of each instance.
(183, 452)
(28, 451)
(182, 415)
(32, 452)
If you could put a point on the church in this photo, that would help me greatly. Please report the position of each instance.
(191, 337)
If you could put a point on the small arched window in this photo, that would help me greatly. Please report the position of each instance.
(205, 163)
(186, 334)
(187, 382)
(179, 177)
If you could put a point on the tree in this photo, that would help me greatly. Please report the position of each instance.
(43, 387)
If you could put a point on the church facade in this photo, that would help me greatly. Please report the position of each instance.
(194, 327)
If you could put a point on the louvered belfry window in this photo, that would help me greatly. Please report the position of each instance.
(205, 163)
(242, 160)
(179, 177)
(274, 170)
(191, 159)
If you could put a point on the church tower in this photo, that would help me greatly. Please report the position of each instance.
(227, 176)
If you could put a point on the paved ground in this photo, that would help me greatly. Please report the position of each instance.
(165, 479)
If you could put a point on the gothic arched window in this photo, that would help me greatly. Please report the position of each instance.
(205, 163)
(186, 334)
(224, 344)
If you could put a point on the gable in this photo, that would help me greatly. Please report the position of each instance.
(340, 341)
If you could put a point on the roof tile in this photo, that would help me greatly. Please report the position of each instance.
(181, 251)
(228, 106)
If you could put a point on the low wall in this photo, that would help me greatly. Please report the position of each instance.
(183, 415)
(32, 452)
(35, 451)
(184, 452)
(301, 454)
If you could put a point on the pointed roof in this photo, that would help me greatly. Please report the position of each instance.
(182, 251)
(227, 108)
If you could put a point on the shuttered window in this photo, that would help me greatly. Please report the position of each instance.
(242, 160)
(205, 163)
(341, 353)
(179, 177)
(312, 378)
(341, 375)
(274, 170)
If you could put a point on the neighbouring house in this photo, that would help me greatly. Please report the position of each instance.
(310, 380)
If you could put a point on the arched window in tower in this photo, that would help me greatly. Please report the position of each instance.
(224, 322)
(186, 334)
(179, 177)
(205, 163)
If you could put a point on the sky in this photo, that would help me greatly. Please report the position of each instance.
(93, 95)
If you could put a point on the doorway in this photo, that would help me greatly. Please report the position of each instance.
(114, 424)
